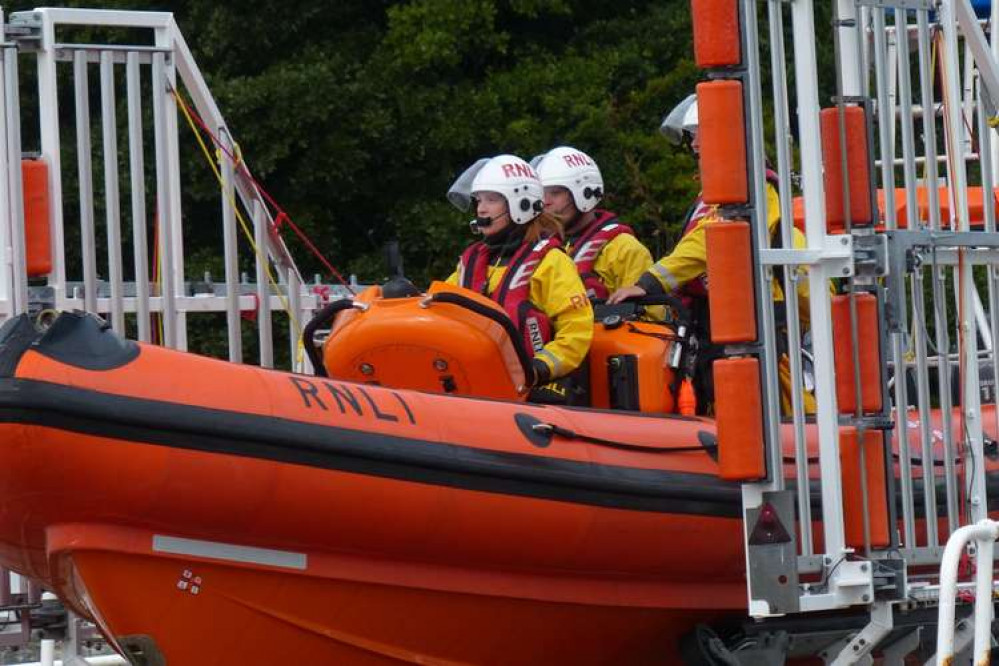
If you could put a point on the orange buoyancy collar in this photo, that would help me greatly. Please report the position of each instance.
(513, 292)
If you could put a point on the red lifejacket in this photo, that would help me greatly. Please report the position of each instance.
(586, 250)
(514, 291)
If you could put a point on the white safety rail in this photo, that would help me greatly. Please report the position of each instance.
(930, 261)
(109, 122)
(983, 535)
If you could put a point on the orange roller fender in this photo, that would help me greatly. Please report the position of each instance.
(868, 353)
(858, 173)
(730, 273)
(716, 33)
(871, 456)
(37, 235)
(722, 133)
(739, 415)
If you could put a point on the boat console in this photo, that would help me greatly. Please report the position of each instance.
(452, 340)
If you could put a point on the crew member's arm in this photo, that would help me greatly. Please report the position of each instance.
(558, 291)
(622, 262)
(687, 261)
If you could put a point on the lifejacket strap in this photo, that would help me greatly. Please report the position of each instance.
(650, 284)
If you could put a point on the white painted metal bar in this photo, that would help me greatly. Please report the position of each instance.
(989, 213)
(230, 248)
(976, 43)
(778, 68)
(906, 121)
(993, 137)
(929, 118)
(164, 203)
(806, 77)
(111, 18)
(175, 230)
(103, 660)
(88, 236)
(16, 272)
(48, 120)
(295, 319)
(761, 232)
(137, 170)
(47, 652)
(112, 197)
(7, 225)
(901, 433)
(941, 325)
(984, 607)
(968, 339)
(265, 331)
(923, 403)
(981, 531)
(886, 117)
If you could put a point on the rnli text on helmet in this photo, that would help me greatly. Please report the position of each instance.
(518, 171)
(577, 160)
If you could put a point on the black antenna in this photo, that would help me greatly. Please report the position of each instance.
(393, 258)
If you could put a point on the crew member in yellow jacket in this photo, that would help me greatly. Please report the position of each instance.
(519, 263)
(606, 252)
(684, 270)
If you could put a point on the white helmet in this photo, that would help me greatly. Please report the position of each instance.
(516, 181)
(680, 124)
(575, 171)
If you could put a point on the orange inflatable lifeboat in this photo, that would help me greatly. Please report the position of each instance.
(205, 513)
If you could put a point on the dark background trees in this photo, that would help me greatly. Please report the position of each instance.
(357, 114)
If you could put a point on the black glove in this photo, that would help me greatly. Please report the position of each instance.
(542, 375)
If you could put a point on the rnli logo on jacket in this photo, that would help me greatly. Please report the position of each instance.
(576, 160)
(534, 332)
(519, 171)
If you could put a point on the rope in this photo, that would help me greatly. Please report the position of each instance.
(261, 256)
(282, 216)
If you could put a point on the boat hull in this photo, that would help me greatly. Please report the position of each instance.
(207, 513)
(254, 615)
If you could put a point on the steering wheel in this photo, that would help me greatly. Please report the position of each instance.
(634, 307)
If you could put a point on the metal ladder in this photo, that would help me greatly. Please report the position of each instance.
(924, 75)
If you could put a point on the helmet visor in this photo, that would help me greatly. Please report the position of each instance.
(680, 123)
(460, 192)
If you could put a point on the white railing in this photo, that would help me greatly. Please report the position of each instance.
(130, 79)
(983, 535)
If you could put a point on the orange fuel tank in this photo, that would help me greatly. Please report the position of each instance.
(629, 366)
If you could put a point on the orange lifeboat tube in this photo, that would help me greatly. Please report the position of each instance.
(310, 516)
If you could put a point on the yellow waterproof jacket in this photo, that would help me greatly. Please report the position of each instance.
(621, 262)
(558, 292)
(688, 260)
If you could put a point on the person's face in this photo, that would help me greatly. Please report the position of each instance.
(559, 202)
(493, 205)
(695, 143)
